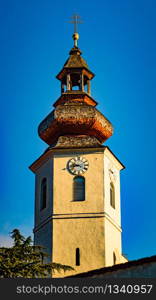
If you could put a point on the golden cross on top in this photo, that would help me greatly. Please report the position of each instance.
(75, 19)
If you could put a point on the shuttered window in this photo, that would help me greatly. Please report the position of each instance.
(43, 199)
(79, 188)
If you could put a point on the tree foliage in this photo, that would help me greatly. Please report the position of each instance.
(26, 260)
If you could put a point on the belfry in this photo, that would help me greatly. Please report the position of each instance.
(77, 178)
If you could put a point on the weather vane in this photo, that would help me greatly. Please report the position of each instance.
(75, 19)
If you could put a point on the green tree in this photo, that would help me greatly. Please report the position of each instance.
(24, 259)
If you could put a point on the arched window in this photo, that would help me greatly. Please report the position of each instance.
(77, 257)
(43, 200)
(79, 188)
(112, 195)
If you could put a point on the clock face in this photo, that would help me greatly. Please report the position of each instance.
(78, 165)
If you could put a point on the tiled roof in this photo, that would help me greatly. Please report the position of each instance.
(117, 267)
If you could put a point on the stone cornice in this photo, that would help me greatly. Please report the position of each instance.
(50, 152)
(77, 216)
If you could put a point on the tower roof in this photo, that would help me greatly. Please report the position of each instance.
(75, 61)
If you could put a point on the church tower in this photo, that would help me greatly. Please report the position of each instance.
(77, 179)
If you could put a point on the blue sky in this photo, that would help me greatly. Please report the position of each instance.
(117, 39)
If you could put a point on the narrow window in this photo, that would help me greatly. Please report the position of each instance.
(43, 193)
(77, 257)
(114, 258)
(112, 195)
(79, 188)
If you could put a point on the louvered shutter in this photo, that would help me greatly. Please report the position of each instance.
(79, 188)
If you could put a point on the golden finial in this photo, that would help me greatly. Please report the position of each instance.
(75, 38)
(75, 19)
